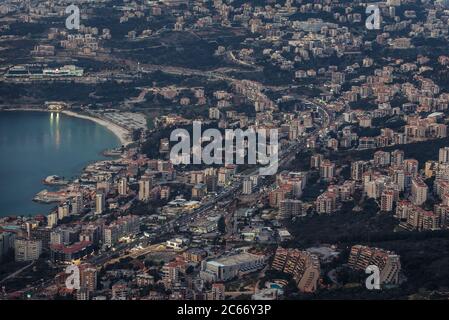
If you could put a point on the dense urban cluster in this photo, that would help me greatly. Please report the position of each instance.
(363, 160)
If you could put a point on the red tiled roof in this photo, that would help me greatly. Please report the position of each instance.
(72, 248)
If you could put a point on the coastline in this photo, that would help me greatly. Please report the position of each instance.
(121, 133)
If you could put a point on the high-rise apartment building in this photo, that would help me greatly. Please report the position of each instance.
(388, 262)
(100, 202)
(217, 292)
(27, 250)
(302, 265)
(145, 185)
(123, 186)
(247, 186)
(443, 155)
(419, 192)
(387, 200)
(327, 170)
(357, 169)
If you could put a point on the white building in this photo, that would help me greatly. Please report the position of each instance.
(123, 187)
(229, 267)
(145, 185)
(100, 203)
(27, 250)
(214, 113)
(77, 204)
(247, 186)
(52, 219)
(443, 155)
(419, 192)
(111, 235)
(176, 243)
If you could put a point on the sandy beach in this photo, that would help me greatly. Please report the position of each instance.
(120, 132)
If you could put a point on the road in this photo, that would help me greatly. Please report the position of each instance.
(16, 273)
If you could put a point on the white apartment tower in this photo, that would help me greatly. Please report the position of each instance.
(443, 155)
(27, 250)
(419, 192)
(145, 185)
(100, 203)
(247, 186)
(123, 186)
